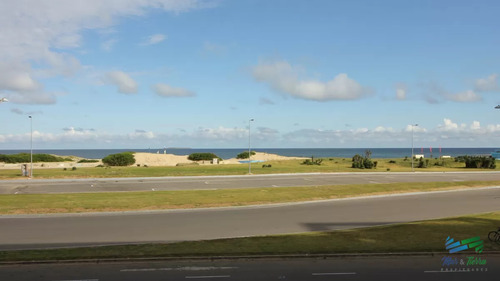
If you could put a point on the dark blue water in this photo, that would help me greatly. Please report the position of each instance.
(296, 152)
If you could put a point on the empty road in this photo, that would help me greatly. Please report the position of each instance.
(221, 182)
(346, 268)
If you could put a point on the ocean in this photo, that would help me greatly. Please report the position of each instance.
(295, 152)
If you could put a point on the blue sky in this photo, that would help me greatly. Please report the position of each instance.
(191, 73)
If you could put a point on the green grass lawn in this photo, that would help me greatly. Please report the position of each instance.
(424, 236)
(328, 165)
(155, 200)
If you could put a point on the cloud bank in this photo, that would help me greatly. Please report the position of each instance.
(44, 31)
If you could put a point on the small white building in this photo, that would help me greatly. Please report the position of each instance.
(418, 156)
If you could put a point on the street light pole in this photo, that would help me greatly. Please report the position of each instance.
(412, 126)
(249, 151)
(31, 147)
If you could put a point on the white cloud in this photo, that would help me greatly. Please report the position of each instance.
(154, 39)
(381, 129)
(416, 129)
(43, 31)
(220, 134)
(401, 90)
(467, 96)
(165, 90)
(284, 78)
(475, 125)
(488, 84)
(141, 134)
(17, 77)
(448, 125)
(434, 93)
(125, 83)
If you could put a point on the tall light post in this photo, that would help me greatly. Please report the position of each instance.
(249, 151)
(31, 147)
(412, 126)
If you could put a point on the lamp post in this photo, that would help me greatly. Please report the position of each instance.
(31, 147)
(412, 126)
(249, 151)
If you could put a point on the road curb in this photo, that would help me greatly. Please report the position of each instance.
(243, 257)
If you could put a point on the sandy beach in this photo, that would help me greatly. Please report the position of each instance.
(149, 159)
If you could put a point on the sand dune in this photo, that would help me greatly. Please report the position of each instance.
(150, 159)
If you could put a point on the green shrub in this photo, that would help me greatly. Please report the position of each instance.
(119, 159)
(312, 162)
(26, 157)
(73, 169)
(244, 155)
(360, 162)
(88, 161)
(202, 156)
(478, 162)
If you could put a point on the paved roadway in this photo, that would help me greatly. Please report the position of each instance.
(220, 182)
(67, 230)
(347, 268)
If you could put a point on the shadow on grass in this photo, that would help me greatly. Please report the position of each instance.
(329, 226)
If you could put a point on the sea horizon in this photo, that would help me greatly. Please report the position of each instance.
(226, 153)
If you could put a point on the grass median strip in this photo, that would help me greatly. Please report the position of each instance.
(424, 236)
(158, 200)
(329, 165)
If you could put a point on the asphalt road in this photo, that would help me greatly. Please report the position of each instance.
(67, 230)
(222, 182)
(347, 268)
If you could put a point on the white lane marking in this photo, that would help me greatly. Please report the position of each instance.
(207, 277)
(439, 271)
(333, 273)
(79, 280)
(185, 268)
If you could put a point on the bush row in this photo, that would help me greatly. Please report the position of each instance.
(482, 162)
(25, 157)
